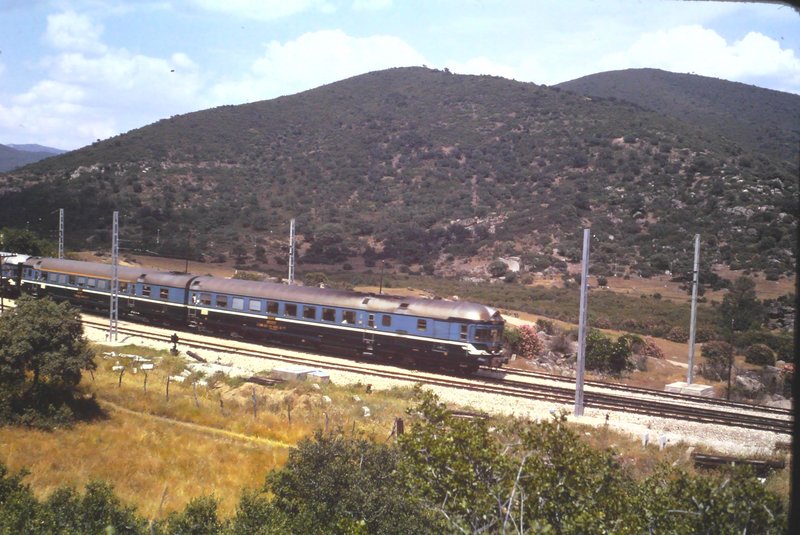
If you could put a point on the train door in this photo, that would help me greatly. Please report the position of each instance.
(369, 335)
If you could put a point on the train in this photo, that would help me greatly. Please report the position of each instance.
(444, 334)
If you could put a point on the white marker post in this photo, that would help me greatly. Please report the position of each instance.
(582, 327)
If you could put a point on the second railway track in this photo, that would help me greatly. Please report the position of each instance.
(629, 399)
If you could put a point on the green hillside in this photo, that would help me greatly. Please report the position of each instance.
(426, 167)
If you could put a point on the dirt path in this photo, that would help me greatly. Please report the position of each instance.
(197, 427)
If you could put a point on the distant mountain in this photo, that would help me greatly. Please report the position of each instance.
(759, 119)
(36, 148)
(13, 156)
(441, 172)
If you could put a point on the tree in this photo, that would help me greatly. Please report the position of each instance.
(719, 359)
(44, 340)
(42, 354)
(333, 484)
(605, 355)
(456, 465)
(198, 518)
(740, 309)
(759, 354)
(498, 268)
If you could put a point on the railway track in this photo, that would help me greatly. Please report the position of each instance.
(641, 391)
(721, 414)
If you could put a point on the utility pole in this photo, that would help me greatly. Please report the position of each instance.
(581, 364)
(61, 233)
(113, 308)
(693, 320)
(291, 251)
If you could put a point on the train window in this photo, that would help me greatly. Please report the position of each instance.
(123, 287)
(53, 277)
(386, 321)
(272, 307)
(102, 284)
(81, 281)
(222, 301)
(255, 305)
(486, 335)
(310, 312)
(163, 293)
(237, 303)
(348, 316)
(422, 325)
(145, 290)
(62, 279)
(463, 334)
(205, 299)
(290, 309)
(72, 279)
(91, 283)
(328, 314)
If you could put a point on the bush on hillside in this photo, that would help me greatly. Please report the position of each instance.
(759, 354)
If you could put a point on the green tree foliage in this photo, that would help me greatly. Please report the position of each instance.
(42, 355)
(497, 268)
(674, 501)
(334, 484)
(18, 506)
(198, 518)
(570, 487)
(455, 465)
(606, 355)
(759, 354)
(740, 309)
(719, 358)
(24, 242)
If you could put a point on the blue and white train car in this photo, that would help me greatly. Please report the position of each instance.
(440, 333)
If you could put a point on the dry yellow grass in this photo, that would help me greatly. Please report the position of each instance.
(139, 456)
(146, 444)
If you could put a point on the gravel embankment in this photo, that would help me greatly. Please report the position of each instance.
(723, 439)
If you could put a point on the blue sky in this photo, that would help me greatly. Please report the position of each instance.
(74, 71)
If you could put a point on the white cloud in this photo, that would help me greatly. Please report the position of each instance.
(314, 59)
(371, 5)
(71, 31)
(263, 9)
(702, 51)
(91, 91)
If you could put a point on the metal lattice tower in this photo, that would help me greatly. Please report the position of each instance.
(291, 252)
(693, 321)
(61, 233)
(114, 290)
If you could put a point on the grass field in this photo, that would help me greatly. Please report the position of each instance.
(159, 454)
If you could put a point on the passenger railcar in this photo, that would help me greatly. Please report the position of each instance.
(442, 333)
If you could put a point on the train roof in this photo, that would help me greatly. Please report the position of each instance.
(12, 258)
(414, 306)
(103, 271)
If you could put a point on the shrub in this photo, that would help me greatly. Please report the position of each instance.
(546, 326)
(604, 355)
(650, 349)
(530, 345)
(759, 354)
(719, 356)
(561, 343)
(602, 281)
(678, 334)
(497, 269)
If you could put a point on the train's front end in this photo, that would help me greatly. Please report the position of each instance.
(486, 343)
